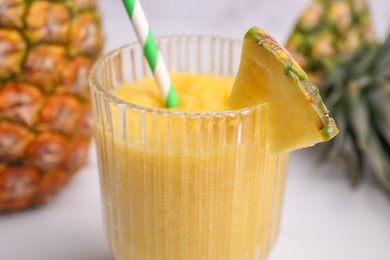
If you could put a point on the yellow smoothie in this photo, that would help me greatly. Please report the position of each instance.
(197, 92)
(190, 186)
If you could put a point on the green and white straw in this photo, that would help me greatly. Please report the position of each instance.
(151, 51)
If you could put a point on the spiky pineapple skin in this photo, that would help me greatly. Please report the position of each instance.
(328, 30)
(46, 51)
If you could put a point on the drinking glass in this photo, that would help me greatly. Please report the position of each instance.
(184, 185)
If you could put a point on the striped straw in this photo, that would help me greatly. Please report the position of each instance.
(151, 52)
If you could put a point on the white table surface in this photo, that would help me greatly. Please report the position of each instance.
(323, 218)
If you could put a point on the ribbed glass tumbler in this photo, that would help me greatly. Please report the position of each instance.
(178, 185)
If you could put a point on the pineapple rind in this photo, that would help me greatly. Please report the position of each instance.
(327, 126)
(340, 27)
(261, 37)
(46, 51)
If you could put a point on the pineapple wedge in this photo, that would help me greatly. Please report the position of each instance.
(297, 117)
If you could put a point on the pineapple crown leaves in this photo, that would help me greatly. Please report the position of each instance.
(357, 90)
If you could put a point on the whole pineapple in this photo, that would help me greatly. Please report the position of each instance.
(327, 30)
(358, 93)
(46, 51)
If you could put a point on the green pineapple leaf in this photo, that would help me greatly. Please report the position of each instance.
(357, 90)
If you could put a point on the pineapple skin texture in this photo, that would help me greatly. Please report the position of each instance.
(328, 30)
(46, 51)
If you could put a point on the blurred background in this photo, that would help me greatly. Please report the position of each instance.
(324, 218)
(220, 17)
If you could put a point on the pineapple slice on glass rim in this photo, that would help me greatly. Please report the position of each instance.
(297, 117)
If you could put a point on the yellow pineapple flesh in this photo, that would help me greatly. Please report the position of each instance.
(46, 51)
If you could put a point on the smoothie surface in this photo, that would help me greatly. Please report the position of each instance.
(197, 92)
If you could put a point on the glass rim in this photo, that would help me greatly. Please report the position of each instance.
(98, 86)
